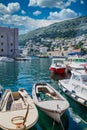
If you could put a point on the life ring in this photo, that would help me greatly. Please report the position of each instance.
(18, 121)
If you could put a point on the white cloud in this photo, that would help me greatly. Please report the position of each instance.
(24, 23)
(23, 12)
(51, 3)
(82, 2)
(3, 9)
(62, 15)
(10, 8)
(13, 7)
(37, 13)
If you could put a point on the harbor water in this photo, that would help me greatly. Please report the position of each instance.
(23, 74)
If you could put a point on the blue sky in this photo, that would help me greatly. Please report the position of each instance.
(28, 15)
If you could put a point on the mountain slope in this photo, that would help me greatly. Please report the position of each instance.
(64, 29)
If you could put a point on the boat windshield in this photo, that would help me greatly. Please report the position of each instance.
(76, 77)
(84, 78)
(58, 61)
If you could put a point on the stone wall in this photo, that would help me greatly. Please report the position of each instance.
(8, 41)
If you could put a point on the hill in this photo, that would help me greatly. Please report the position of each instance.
(65, 29)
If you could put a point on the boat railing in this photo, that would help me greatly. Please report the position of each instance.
(3, 100)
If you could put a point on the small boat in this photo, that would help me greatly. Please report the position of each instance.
(22, 58)
(58, 66)
(49, 100)
(6, 59)
(76, 86)
(17, 110)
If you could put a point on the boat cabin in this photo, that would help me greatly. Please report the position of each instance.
(58, 60)
(78, 82)
(79, 76)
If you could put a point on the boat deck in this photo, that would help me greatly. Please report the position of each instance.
(13, 113)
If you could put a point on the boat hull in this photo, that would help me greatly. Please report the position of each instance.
(53, 114)
(72, 94)
(49, 100)
(57, 70)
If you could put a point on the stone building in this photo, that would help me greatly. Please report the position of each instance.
(8, 42)
(43, 49)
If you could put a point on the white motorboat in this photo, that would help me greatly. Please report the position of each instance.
(49, 100)
(6, 59)
(17, 110)
(78, 63)
(58, 66)
(76, 86)
(22, 58)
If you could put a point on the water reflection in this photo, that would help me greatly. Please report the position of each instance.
(57, 77)
(8, 74)
(78, 109)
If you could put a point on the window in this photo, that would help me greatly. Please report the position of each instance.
(11, 44)
(76, 77)
(84, 78)
(1, 43)
(11, 50)
(1, 36)
(2, 50)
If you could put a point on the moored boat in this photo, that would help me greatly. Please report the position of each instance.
(6, 59)
(49, 100)
(58, 66)
(77, 63)
(17, 110)
(76, 86)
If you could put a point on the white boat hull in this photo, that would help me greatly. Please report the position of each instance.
(54, 115)
(72, 94)
(53, 107)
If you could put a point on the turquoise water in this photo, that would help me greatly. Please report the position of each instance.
(23, 74)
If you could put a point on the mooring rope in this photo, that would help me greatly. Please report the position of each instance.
(26, 115)
(53, 124)
(26, 118)
(61, 124)
(59, 116)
